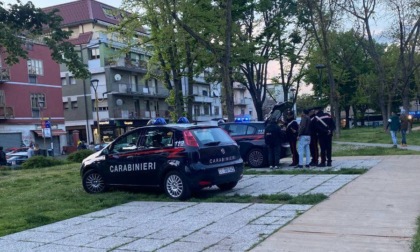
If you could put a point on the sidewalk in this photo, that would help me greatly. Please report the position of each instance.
(375, 212)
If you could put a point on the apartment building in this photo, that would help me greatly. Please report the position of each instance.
(29, 93)
(119, 96)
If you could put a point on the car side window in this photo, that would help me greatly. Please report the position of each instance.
(157, 138)
(251, 130)
(126, 143)
(237, 129)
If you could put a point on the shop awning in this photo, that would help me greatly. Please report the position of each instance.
(54, 132)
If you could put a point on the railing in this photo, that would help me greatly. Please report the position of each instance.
(126, 63)
(142, 90)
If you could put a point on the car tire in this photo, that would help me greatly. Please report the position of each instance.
(176, 186)
(227, 186)
(93, 182)
(255, 158)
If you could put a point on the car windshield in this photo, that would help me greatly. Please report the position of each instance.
(211, 136)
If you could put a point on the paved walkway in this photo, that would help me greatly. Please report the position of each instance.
(373, 212)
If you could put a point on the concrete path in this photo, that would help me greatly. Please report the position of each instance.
(376, 212)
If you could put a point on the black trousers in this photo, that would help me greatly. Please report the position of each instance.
(293, 150)
(313, 147)
(325, 143)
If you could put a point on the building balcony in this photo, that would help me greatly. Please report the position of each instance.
(141, 90)
(203, 99)
(4, 75)
(127, 64)
(242, 102)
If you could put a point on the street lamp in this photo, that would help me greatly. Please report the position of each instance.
(94, 83)
(320, 67)
(41, 107)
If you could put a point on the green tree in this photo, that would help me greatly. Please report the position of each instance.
(20, 22)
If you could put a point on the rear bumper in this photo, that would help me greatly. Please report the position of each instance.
(200, 178)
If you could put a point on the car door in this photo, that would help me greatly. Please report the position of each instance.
(126, 162)
(156, 144)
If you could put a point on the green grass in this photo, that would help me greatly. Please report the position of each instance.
(375, 135)
(35, 197)
(342, 150)
(416, 240)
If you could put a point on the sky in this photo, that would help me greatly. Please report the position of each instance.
(44, 3)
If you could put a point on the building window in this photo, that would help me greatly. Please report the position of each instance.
(72, 81)
(35, 67)
(196, 110)
(63, 81)
(206, 109)
(205, 93)
(38, 103)
(216, 110)
(94, 53)
(32, 78)
(74, 105)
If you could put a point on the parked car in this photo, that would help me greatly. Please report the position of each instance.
(12, 150)
(179, 158)
(250, 137)
(17, 158)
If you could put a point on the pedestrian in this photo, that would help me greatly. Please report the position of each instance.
(325, 127)
(304, 138)
(273, 139)
(313, 146)
(394, 125)
(31, 152)
(3, 160)
(292, 130)
(405, 125)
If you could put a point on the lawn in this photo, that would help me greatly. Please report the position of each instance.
(35, 197)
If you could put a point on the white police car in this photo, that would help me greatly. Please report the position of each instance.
(179, 158)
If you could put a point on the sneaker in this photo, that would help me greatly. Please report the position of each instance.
(299, 166)
(395, 146)
(321, 165)
(307, 166)
(292, 164)
(329, 164)
(313, 163)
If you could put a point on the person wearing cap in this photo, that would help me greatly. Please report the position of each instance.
(304, 138)
(273, 139)
(325, 127)
(313, 146)
(292, 129)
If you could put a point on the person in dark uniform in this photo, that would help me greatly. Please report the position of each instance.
(325, 127)
(273, 140)
(292, 129)
(3, 160)
(313, 146)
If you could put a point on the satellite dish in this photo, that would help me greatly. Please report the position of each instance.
(117, 77)
(119, 102)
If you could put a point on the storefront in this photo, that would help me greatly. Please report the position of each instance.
(111, 129)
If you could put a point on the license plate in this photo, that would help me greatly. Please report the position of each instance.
(225, 170)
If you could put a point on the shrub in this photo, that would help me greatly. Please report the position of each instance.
(41, 162)
(78, 156)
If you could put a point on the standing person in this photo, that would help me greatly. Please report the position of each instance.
(292, 130)
(304, 137)
(313, 146)
(273, 140)
(394, 126)
(3, 160)
(325, 127)
(405, 124)
(31, 152)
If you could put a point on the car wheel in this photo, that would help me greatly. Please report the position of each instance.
(255, 158)
(227, 186)
(176, 187)
(93, 182)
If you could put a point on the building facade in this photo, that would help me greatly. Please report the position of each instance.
(124, 97)
(29, 94)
